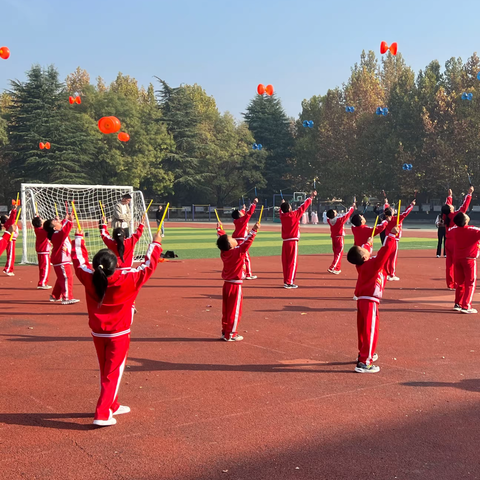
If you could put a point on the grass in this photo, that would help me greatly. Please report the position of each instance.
(191, 243)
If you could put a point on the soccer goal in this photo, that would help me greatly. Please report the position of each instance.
(49, 200)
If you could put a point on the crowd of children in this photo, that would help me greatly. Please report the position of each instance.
(112, 284)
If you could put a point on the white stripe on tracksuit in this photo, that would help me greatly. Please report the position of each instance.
(8, 266)
(290, 282)
(67, 293)
(338, 255)
(372, 334)
(469, 304)
(237, 308)
(47, 271)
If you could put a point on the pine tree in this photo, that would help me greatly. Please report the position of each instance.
(40, 112)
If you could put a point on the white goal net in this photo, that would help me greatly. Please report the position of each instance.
(51, 199)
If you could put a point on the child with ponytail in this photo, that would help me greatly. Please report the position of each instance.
(122, 247)
(57, 233)
(110, 294)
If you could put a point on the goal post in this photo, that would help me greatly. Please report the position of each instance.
(48, 199)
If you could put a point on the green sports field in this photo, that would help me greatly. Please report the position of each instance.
(190, 242)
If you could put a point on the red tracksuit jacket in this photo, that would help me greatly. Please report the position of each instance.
(61, 245)
(451, 216)
(372, 274)
(241, 224)
(11, 221)
(114, 317)
(4, 241)
(42, 243)
(362, 233)
(466, 240)
(234, 259)
(291, 221)
(393, 222)
(129, 244)
(337, 224)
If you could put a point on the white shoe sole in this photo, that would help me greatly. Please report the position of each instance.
(105, 423)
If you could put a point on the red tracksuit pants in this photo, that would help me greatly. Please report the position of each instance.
(289, 261)
(337, 247)
(466, 281)
(112, 355)
(450, 269)
(231, 308)
(64, 284)
(391, 265)
(43, 269)
(367, 329)
(9, 264)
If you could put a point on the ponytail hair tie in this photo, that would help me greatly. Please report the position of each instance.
(100, 266)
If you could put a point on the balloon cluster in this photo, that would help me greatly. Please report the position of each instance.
(257, 146)
(4, 53)
(109, 125)
(308, 123)
(384, 48)
(261, 89)
(44, 145)
(407, 166)
(349, 109)
(467, 96)
(381, 111)
(73, 100)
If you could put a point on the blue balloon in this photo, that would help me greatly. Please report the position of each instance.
(467, 96)
(385, 111)
(310, 123)
(470, 96)
(379, 111)
(259, 146)
(255, 146)
(305, 123)
(410, 166)
(478, 76)
(405, 166)
(352, 109)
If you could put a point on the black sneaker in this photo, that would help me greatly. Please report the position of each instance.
(457, 307)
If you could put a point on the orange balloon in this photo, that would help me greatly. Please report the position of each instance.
(261, 89)
(269, 89)
(109, 125)
(123, 137)
(42, 145)
(78, 100)
(4, 52)
(71, 100)
(47, 145)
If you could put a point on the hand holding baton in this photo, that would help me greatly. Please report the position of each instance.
(76, 216)
(398, 212)
(163, 217)
(16, 223)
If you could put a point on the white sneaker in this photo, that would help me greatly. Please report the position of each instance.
(162, 235)
(438, 256)
(394, 278)
(70, 302)
(44, 287)
(121, 410)
(329, 270)
(9, 274)
(470, 310)
(105, 423)
(53, 299)
(362, 368)
(290, 286)
(251, 277)
(235, 338)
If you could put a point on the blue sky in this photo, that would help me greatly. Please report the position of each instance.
(228, 47)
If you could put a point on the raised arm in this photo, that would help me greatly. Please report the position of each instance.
(407, 211)
(466, 201)
(251, 210)
(146, 269)
(303, 207)
(343, 218)
(82, 267)
(4, 241)
(380, 228)
(247, 243)
(136, 236)
(384, 253)
(11, 219)
(220, 230)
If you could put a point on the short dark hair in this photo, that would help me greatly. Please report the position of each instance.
(235, 214)
(388, 212)
(3, 219)
(356, 220)
(127, 196)
(285, 207)
(223, 243)
(331, 213)
(355, 256)
(460, 219)
(37, 222)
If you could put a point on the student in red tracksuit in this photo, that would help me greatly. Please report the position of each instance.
(392, 223)
(10, 263)
(240, 220)
(122, 247)
(466, 242)
(337, 232)
(362, 232)
(110, 294)
(449, 213)
(369, 291)
(291, 234)
(233, 257)
(43, 248)
(57, 233)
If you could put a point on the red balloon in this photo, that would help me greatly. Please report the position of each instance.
(78, 100)
(109, 125)
(261, 89)
(47, 145)
(384, 48)
(269, 89)
(42, 145)
(123, 137)
(4, 52)
(71, 100)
